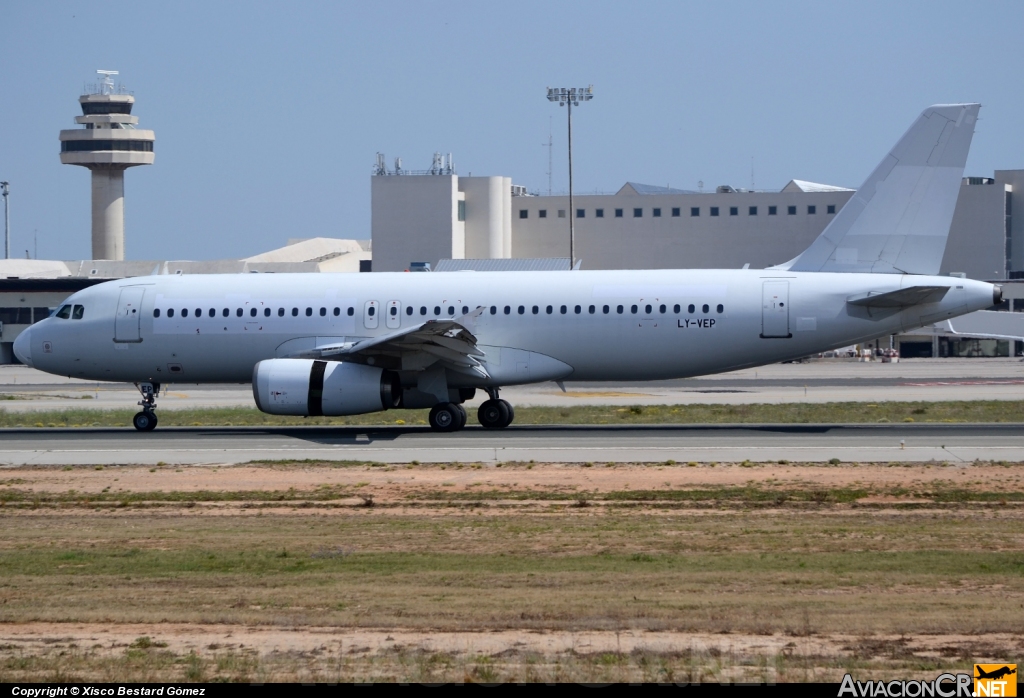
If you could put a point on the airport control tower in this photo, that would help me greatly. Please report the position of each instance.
(108, 144)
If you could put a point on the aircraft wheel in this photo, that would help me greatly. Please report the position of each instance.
(144, 421)
(494, 414)
(444, 417)
(463, 417)
(511, 413)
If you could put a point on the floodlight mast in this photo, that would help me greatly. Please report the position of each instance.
(570, 97)
(6, 186)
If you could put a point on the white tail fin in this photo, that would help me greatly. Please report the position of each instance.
(898, 221)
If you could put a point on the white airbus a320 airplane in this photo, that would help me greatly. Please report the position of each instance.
(343, 344)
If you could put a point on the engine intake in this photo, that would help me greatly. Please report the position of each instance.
(311, 388)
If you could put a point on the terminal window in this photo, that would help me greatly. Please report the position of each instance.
(714, 210)
(752, 211)
(694, 211)
(462, 210)
(772, 210)
(831, 208)
(523, 213)
(656, 212)
(599, 213)
(791, 210)
(811, 210)
(561, 213)
(638, 213)
(581, 213)
(542, 213)
(618, 213)
(734, 211)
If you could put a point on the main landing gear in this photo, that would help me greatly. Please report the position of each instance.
(493, 414)
(146, 419)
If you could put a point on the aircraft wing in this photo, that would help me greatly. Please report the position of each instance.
(903, 298)
(448, 342)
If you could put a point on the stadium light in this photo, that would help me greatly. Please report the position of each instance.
(571, 97)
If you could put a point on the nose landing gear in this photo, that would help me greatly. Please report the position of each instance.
(146, 419)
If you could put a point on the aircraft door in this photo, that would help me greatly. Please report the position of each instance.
(393, 318)
(370, 315)
(775, 310)
(129, 314)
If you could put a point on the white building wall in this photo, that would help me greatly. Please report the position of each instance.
(670, 241)
(977, 239)
(415, 219)
(1015, 180)
(486, 211)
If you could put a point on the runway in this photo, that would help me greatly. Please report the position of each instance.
(954, 443)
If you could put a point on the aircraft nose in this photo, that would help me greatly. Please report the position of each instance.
(23, 348)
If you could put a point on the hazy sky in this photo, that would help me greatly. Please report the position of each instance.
(268, 115)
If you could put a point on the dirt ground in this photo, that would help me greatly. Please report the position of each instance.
(516, 572)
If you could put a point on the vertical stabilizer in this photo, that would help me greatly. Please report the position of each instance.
(898, 221)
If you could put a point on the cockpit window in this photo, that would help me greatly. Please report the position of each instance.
(77, 313)
(65, 312)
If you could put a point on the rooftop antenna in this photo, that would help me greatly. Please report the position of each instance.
(107, 83)
(700, 186)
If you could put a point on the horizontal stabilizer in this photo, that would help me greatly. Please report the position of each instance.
(898, 221)
(903, 298)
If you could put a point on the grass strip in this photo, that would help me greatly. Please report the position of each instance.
(979, 411)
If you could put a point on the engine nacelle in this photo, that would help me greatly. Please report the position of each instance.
(307, 387)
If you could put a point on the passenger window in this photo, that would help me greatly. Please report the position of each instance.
(690, 308)
(184, 312)
(507, 310)
(451, 310)
(408, 310)
(618, 309)
(156, 312)
(675, 308)
(437, 310)
(662, 309)
(337, 311)
(213, 312)
(494, 310)
(604, 309)
(295, 312)
(65, 312)
(563, 310)
(549, 309)
(720, 308)
(522, 309)
(238, 312)
(280, 312)
(266, 312)
(252, 312)
(592, 309)
(323, 312)
(536, 309)
(226, 312)
(647, 309)
(423, 310)
(705, 308)
(465, 309)
(578, 309)
(351, 312)
(632, 309)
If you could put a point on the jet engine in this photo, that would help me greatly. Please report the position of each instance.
(306, 387)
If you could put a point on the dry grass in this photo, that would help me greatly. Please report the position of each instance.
(826, 582)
